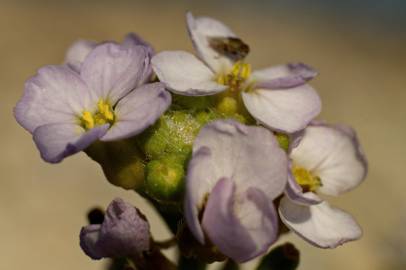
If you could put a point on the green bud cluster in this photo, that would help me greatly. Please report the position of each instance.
(167, 147)
(168, 144)
(154, 162)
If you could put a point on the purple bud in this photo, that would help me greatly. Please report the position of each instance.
(123, 233)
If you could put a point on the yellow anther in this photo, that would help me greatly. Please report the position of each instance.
(105, 110)
(236, 69)
(246, 71)
(87, 120)
(222, 79)
(306, 179)
(241, 70)
(103, 115)
(238, 74)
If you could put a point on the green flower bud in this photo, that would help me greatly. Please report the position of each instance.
(283, 140)
(227, 105)
(206, 116)
(165, 178)
(121, 161)
(174, 133)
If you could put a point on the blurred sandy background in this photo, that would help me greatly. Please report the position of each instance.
(358, 46)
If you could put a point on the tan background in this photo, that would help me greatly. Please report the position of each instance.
(362, 82)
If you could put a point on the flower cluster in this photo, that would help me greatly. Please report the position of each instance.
(234, 153)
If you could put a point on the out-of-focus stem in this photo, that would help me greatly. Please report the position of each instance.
(230, 265)
(190, 263)
(166, 243)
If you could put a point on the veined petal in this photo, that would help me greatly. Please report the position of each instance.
(283, 76)
(112, 70)
(285, 110)
(184, 74)
(138, 110)
(321, 225)
(249, 155)
(56, 94)
(132, 39)
(241, 227)
(77, 53)
(57, 141)
(201, 29)
(334, 154)
(295, 192)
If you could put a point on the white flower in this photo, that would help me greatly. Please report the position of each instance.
(328, 160)
(277, 97)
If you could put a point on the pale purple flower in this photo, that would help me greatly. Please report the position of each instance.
(124, 233)
(329, 160)
(277, 97)
(235, 173)
(67, 110)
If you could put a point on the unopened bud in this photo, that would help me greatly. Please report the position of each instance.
(165, 178)
(121, 162)
(283, 141)
(228, 105)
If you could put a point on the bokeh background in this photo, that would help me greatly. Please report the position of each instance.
(359, 47)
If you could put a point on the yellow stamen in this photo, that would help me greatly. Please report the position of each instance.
(306, 179)
(87, 120)
(238, 74)
(103, 115)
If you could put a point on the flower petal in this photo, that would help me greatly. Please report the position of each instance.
(55, 95)
(184, 74)
(334, 154)
(77, 53)
(197, 190)
(124, 232)
(138, 110)
(132, 39)
(112, 70)
(242, 228)
(227, 149)
(201, 29)
(296, 194)
(57, 141)
(285, 110)
(283, 76)
(89, 236)
(321, 225)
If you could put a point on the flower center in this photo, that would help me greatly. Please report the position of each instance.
(306, 179)
(103, 115)
(238, 74)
